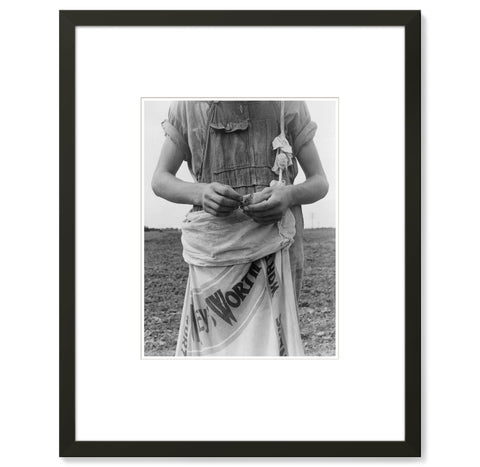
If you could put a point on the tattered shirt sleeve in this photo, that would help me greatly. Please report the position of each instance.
(299, 125)
(176, 128)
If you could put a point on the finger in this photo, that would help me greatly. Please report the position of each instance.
(262, 196)
(218, 207)
(222, 201)
(209, 210)
(227, 192)
(259, 207)
(273, 211)
(216, 213)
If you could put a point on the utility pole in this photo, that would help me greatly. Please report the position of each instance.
(312, 215)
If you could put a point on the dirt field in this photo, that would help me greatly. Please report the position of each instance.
(166, 276)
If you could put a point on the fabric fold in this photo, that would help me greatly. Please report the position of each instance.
(236, 239)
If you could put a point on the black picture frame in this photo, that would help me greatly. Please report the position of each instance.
(410, 447)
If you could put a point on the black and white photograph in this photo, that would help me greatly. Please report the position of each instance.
(239, 227)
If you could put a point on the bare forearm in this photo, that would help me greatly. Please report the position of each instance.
(171, 188)
(311, 190)
(315, 186)
(215, 198)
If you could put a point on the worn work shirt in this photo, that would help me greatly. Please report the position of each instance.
(230, 142)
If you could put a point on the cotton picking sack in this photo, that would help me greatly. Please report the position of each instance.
(239, 299)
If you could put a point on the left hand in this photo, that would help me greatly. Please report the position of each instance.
(272, 204)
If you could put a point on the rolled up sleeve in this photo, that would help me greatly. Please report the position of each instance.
(175, 128)
(299, 124)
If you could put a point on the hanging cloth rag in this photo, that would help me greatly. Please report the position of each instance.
(280, 144)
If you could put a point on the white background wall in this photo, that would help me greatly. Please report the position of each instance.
(29, 242)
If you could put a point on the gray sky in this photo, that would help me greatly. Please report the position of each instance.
(161, 213)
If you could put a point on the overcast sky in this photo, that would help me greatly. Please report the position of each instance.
(161, 213)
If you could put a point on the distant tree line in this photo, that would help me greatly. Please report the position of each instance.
(153, 229)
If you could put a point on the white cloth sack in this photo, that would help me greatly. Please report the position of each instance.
(240, 298)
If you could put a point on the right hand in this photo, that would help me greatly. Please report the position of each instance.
(220, 200)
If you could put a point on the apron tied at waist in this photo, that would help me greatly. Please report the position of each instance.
(236, 239)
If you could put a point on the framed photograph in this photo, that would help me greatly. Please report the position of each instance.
(240, 233)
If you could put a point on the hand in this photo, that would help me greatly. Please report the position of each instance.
(271, 204)
(220, 200)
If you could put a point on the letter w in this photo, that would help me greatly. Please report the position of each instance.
(219, 306)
